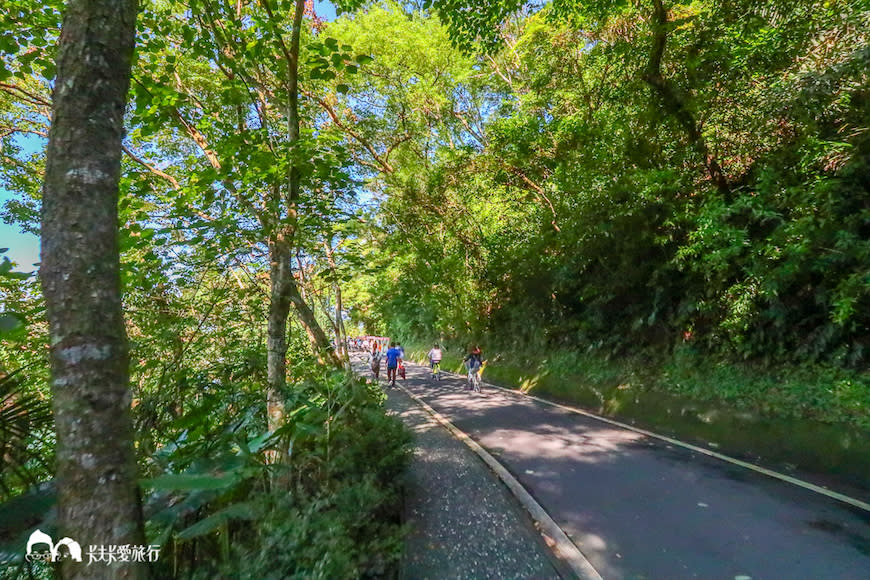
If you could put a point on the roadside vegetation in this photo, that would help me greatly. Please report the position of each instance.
(610, 197)
(669, 196)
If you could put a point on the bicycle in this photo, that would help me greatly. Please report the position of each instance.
(474, 378)
(436, 369)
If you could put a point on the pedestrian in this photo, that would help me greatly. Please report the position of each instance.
(393, 356)
(375, 363)
(401, 360)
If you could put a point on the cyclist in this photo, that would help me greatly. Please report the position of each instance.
(393, 356)
(434, 357)
(473, 362)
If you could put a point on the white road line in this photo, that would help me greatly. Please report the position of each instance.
(562, 545)
(770, 473)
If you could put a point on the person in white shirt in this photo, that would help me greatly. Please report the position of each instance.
(434, 357)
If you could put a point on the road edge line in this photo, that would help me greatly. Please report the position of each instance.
(563, 547)
(745, 464)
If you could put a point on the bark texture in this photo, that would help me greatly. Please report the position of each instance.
(279, 309)
(98, 499)
(284, 289)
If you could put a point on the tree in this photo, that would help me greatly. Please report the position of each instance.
(98, 492)
(226, 77)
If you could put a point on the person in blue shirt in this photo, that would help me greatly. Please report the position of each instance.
(393, 356)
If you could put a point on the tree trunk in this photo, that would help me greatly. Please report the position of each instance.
(338, 324)
(284, 295)
(341, 345)
(284, 291)
(280, 276)
(98, 494)
(319, 341)
(675, 104)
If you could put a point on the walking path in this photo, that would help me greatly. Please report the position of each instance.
(463, 522)
(641, 508)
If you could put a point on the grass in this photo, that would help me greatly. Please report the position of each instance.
(812, 418)
(819, 393)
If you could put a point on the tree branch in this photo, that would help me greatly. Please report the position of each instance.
(537, 189)
(383, 163)
(151, 168)
(675, 104)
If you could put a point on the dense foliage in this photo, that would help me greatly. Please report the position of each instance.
(653, 177)
(596, 188)
(204, 190)
(588, 206)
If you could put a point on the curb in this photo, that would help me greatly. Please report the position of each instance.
(854, 502)
(556, 538)
(721, 456)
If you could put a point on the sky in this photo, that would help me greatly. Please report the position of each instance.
(324, 10)
(24, 247)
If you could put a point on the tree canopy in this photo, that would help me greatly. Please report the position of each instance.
(592, 178)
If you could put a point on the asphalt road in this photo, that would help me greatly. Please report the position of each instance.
(463, 524)
(640, 508)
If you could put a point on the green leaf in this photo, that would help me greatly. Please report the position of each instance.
(259, 442)
(238, 511)
(49, 70)
(342, 88)
(189, 482)
(10, 321)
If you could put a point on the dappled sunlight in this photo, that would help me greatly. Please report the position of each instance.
(585, 444)
(589, 445)
(527, 384)
(611, 488)
(597, 551)
(417, 420)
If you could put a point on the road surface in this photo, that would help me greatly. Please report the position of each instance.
(642, 509)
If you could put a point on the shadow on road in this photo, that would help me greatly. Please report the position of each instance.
(640, 508)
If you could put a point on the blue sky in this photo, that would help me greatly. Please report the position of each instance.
(24, 247)
(324, 10)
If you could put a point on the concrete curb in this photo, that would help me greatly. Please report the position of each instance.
(556, 538)
(676, 442)
(862, 505)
